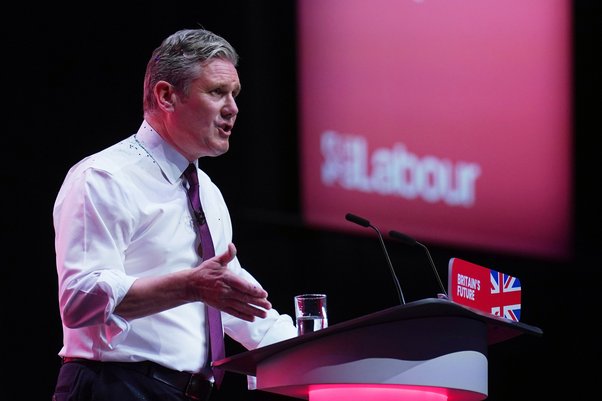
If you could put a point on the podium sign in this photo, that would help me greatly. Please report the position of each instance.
(430, 348)
(484, 289)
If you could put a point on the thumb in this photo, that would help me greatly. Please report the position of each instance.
(227, 256)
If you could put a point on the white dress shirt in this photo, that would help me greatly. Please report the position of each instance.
(122, 214)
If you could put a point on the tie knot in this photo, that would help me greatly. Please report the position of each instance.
(190, 175)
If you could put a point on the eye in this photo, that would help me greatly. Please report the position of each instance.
(224, 91)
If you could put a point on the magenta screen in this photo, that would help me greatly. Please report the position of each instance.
(447, 120)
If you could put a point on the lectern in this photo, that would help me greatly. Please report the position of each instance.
(431, 349)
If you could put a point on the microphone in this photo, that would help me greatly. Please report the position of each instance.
(199, 216)
(406, 239)
(365, 223)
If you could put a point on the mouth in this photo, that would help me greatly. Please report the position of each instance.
(226, 129)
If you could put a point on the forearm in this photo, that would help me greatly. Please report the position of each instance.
(150, 295)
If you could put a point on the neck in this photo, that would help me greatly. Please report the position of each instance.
(164, 132)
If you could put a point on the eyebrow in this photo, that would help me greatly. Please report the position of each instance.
(227, 84)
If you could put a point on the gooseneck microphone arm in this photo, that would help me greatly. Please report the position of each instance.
(406, 239)
(365, 223)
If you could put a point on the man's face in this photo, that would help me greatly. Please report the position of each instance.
(204, 119)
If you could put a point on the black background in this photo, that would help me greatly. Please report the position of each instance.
(73, 85)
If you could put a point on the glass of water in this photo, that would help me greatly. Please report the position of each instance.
(310, 313)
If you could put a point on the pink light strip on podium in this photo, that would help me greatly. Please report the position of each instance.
(375, 392)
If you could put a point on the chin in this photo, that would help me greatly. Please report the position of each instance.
(220, 150)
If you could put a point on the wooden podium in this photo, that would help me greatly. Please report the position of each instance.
(432, 347)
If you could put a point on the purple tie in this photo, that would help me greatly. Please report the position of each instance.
(216, 334)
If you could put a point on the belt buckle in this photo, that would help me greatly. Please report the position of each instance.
(198, 386)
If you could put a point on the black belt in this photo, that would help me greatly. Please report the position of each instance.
(193, 385)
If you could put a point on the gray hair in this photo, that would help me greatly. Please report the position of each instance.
(178, 61)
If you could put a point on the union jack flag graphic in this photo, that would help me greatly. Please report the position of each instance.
(467, 285)
(505, 295)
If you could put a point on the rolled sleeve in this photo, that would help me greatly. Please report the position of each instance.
(92, 301)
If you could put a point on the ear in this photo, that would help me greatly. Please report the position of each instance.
(166, 95)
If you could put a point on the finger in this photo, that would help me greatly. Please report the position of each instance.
(261, 302)
(239, 290)
(254, 301)
(246, 288)
(226, 257)
(245, 311)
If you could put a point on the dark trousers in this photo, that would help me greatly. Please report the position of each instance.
(106, 381)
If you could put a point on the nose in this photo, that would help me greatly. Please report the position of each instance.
(230, 109)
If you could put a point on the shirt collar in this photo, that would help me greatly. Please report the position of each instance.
(171, 162)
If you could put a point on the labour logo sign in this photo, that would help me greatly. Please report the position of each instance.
(484, 289)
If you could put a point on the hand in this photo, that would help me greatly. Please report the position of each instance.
(215, 285)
